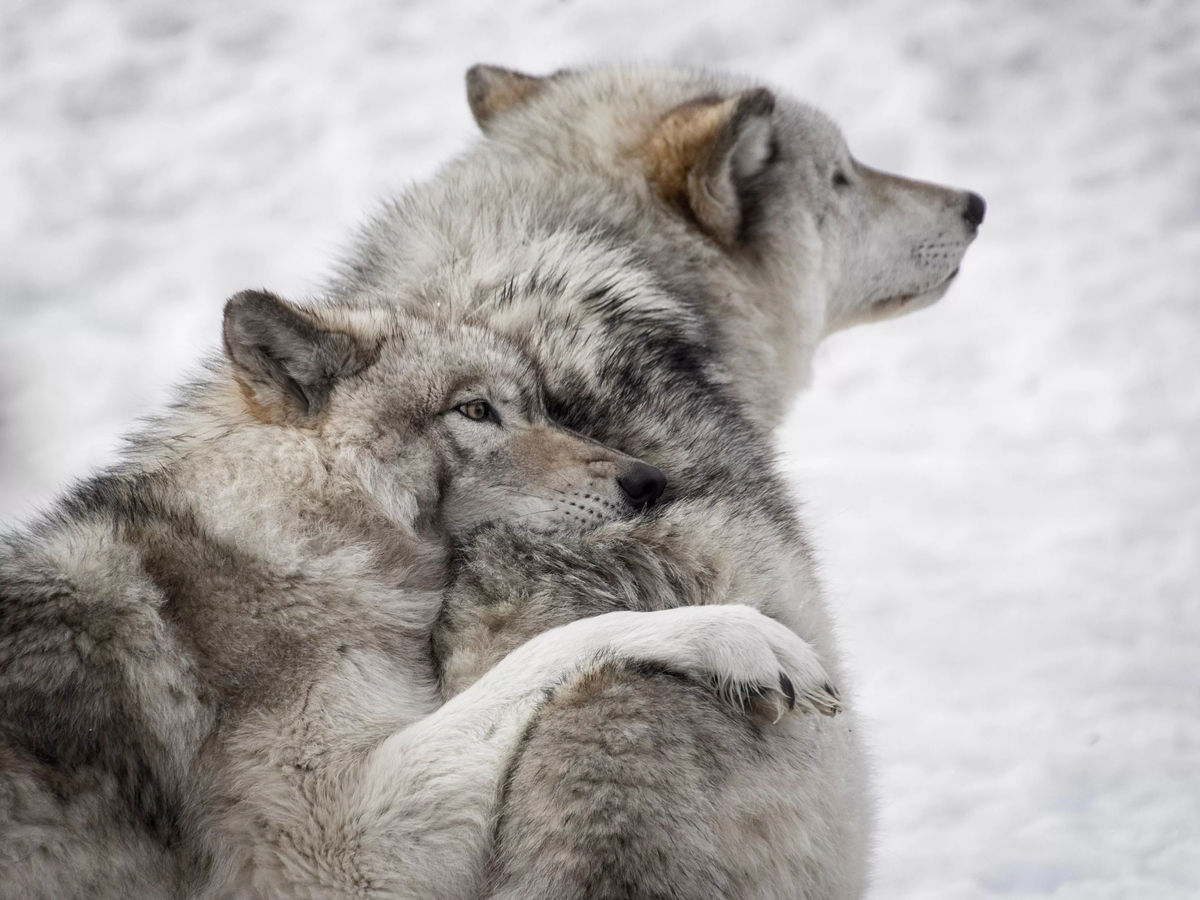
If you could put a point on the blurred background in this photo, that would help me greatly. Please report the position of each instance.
(1005, 489)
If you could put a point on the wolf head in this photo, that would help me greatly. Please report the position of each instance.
(441, 424)
(766, 179)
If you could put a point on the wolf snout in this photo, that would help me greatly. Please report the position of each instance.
(643, 485)
(976, 207)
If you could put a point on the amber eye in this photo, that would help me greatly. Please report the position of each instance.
(478, 411)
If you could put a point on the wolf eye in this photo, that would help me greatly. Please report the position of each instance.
(478, 411)
(840, 179)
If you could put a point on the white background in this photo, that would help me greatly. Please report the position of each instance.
(1005, 488)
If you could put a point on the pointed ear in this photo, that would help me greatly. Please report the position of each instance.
(284, 359)
(703, 153)
(492, 90)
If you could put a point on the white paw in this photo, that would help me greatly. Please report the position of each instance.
(751, 659)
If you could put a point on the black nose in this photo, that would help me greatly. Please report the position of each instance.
(976, 207)
(643, 485)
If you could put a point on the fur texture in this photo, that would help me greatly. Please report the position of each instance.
(215, 665)
(215, 677)
(669, 247)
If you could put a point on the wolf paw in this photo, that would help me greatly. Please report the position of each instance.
(750, 659)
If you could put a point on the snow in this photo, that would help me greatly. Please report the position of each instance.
(1005, 488)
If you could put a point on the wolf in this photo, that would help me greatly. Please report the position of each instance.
(215, 677)
(669, 246)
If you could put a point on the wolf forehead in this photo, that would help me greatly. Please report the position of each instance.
(437, 361)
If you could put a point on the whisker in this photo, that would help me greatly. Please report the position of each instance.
(540, 512)
(521, 493)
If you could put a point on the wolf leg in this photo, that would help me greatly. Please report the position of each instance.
(514, 584)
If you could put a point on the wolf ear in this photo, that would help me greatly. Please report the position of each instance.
(702, 153)
(492, 90)
(285, 360)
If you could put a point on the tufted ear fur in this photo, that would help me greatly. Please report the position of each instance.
(701, 155)
(286, 362)
(492, 90)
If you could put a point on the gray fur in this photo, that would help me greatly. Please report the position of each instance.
(701, 306)
(216, 674)
(215, 677)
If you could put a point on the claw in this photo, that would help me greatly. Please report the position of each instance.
(778, 714)
(827, 704)
(789, 691)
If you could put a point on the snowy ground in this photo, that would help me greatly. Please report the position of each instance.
(1006, 488)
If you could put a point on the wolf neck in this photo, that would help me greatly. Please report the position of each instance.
(443, 248)
(768, 321)
(766, 301)
(784, 311)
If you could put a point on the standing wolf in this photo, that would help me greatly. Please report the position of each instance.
(669, 247)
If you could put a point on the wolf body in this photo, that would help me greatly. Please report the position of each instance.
(214, 659)
(669, 247)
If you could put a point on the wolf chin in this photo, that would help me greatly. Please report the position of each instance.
(477, 574)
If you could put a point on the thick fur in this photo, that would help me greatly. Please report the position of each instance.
(215, 665)
(669, 247)
(215, 678)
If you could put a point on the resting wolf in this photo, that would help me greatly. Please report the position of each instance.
(669, 247)
(214, 672)
(214, 660)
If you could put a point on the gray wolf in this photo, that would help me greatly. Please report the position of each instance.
(221, 673)
(214, 669)
(669, 247)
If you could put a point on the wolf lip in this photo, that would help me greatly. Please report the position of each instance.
(904, 299)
